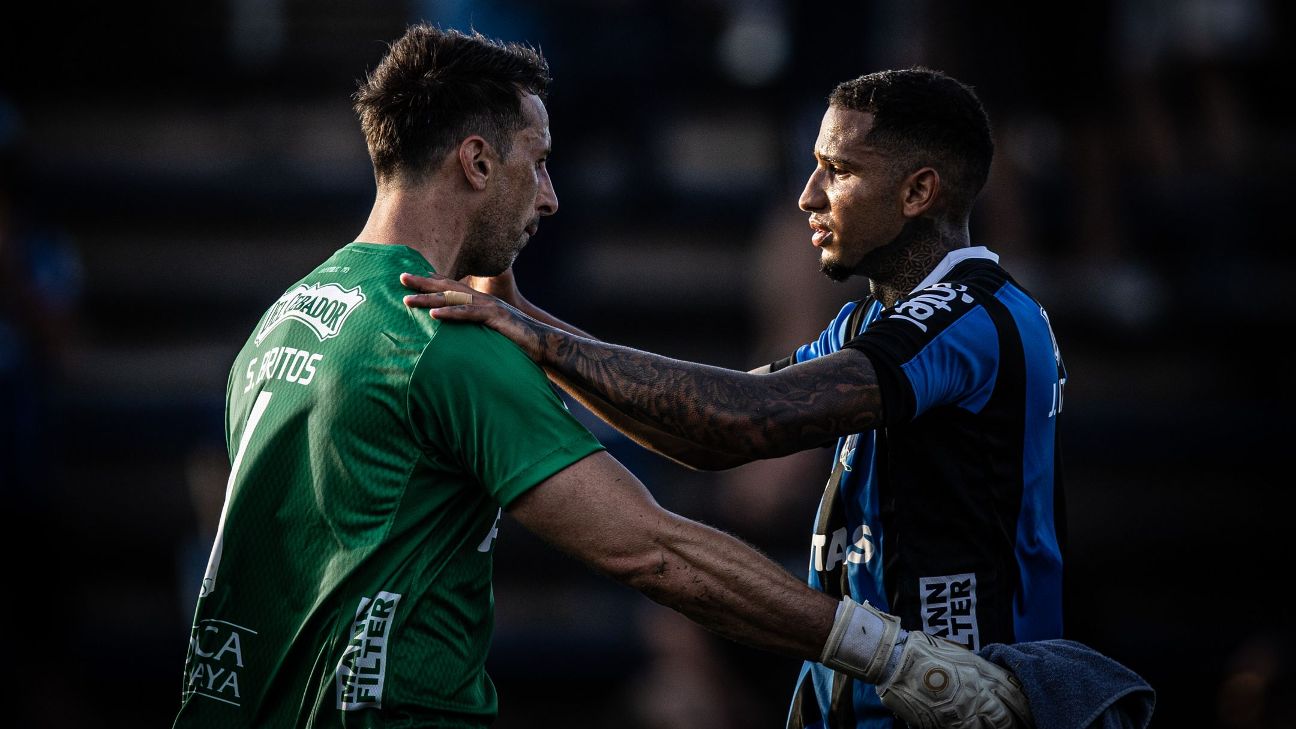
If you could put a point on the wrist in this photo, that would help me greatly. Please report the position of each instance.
(864, 642)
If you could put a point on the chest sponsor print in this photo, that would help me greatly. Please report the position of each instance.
(948, 608)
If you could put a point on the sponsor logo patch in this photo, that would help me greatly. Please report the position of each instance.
(931, 301)
(949, 608)
(363, 668)
(322, 307)
(216, 660)
(827, 551)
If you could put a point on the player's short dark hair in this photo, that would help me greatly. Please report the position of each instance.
(924, 117)
(436, 87)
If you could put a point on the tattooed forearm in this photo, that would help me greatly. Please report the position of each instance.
(756, 416)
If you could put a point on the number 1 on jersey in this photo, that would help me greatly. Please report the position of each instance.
(213, 562)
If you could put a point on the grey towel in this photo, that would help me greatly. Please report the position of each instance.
(1072, 686)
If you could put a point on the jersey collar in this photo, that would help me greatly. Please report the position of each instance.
(952, 259)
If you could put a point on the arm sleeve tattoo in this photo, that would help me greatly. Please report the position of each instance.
(758, 416)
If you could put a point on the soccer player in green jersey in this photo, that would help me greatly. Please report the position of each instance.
(373, 449)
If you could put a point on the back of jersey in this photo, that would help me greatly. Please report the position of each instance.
(343, 523)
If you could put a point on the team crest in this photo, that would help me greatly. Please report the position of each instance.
(322, 307)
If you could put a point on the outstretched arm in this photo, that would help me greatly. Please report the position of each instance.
(686, 453)
(744, 415)
(598, 512)
(748, 415)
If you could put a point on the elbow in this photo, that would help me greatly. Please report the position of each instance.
(639, 569)
(648, 560)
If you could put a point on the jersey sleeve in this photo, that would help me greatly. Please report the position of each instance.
(828, 341)
(477, 399)
(937, 347)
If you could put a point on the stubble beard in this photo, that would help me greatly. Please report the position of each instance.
(491, 245)
(904, 260)
(836, 270)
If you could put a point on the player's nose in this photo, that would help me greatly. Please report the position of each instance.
(547, 202)
(812, 197)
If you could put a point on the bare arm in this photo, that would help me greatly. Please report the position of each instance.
(741, 414)
(756, 416)
(645, 433)
(680, 450)
(598, 512)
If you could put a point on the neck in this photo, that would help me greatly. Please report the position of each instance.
(422, 219)
(896, 268)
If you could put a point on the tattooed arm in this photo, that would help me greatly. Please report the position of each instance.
(748, 415)
(686, 453)
(743, 416)
(646, 433)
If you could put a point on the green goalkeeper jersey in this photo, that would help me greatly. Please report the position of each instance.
(372, 449)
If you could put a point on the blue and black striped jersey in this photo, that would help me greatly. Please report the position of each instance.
(950, 515)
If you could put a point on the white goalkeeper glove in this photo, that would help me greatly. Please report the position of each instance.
(928, 682)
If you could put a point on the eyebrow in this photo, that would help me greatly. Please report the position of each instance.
(830, 159)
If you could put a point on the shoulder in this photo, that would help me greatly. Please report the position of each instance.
(473, 341)
(469, 351)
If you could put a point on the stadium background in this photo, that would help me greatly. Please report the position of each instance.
(166, 169)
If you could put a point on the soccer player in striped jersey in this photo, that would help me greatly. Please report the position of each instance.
(942, 389)
(373, 450)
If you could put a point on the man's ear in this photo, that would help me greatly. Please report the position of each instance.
(477, 160)
(919, 192)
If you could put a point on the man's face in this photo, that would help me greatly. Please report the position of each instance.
(852, 196)
(520, 192)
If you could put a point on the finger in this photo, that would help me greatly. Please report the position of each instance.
(455, 313)
(438, 309)
(431, 283)
(457, 298)
(426, 301)
(441, 299)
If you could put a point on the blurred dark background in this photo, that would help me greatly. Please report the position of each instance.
(167, 169)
